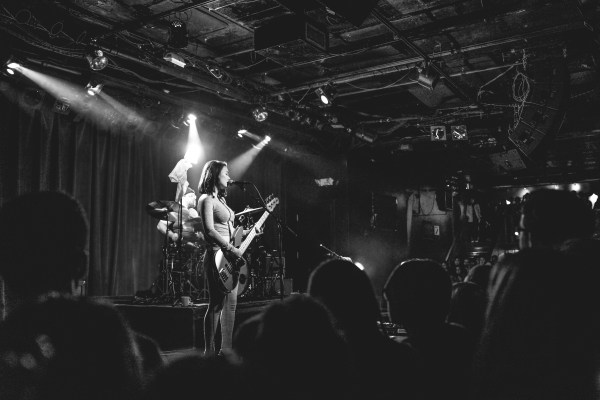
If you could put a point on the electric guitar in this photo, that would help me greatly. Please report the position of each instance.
(228, 269)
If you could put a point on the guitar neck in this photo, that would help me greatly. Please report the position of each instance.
(252, 233)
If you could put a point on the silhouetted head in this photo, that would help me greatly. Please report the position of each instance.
(347, 292)
(467, 306)
(213, 377)
(43, 243)
(540, 333)
(418, 294)
(68, 348)
(549, 217)
(299, 328)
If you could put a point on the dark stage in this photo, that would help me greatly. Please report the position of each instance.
(177, 327)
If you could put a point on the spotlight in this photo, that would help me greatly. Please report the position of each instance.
(326, 94)
(427, 78)
(178, 35)
(267, 138)
(94, 87)
(260, 114)
(191, 117)
(215, 71)
(366, 136)
(175, 59)
(11, 65)
(97, 60)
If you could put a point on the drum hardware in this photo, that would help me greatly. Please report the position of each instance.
(249, 211)
(180, 270)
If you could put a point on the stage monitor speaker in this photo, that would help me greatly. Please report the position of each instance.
(544, 110)
(354, 12)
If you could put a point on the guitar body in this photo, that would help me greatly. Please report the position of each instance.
(228, 270)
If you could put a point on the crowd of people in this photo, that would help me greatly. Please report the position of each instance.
(524, 326)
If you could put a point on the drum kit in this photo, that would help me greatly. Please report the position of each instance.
(181, 268)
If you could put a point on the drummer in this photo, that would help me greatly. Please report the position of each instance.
(190, 230)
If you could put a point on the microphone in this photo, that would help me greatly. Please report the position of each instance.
(239, 183)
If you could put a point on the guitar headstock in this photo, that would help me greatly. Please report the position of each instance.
(272, 202)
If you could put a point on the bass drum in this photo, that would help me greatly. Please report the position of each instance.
(243, 279)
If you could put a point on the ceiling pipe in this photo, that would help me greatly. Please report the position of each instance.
(453, 86)
(393, 67)
(138, 23)
(456, 74)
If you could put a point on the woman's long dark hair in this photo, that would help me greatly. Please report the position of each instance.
(210, 174)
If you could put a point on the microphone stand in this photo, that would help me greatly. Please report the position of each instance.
(280, 240)
(333, 253)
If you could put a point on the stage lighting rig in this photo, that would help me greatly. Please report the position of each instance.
(427, 77)
(11, 65)
(326, 94)
(260, 114)
(94, 87)
(97, 59)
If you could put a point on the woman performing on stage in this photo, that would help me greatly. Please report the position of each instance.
(217, 224)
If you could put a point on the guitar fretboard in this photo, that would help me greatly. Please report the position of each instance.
(252, 233)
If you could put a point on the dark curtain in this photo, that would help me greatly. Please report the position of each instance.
(113, 171)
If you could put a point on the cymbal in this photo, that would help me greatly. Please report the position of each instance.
(249, 211)
(160, 209)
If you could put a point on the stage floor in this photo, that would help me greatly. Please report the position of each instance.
(177, 327)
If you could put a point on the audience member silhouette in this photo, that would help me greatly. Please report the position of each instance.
(207, 377)
(418, 295)
(467, 307)
(43, 246)
(297, 353)
(385, 369)
(540, 339)
(45, 249)
(550, 217)
(480, 275)
(69, 349)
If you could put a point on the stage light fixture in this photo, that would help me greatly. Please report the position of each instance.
(326, 94)
(191, 117)
(97, 60)
(215, 71)
(260, 114)
(267, 138)
(427, 77)
(94, 87)
(175, 59)
(178, 34)
(11, 67)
